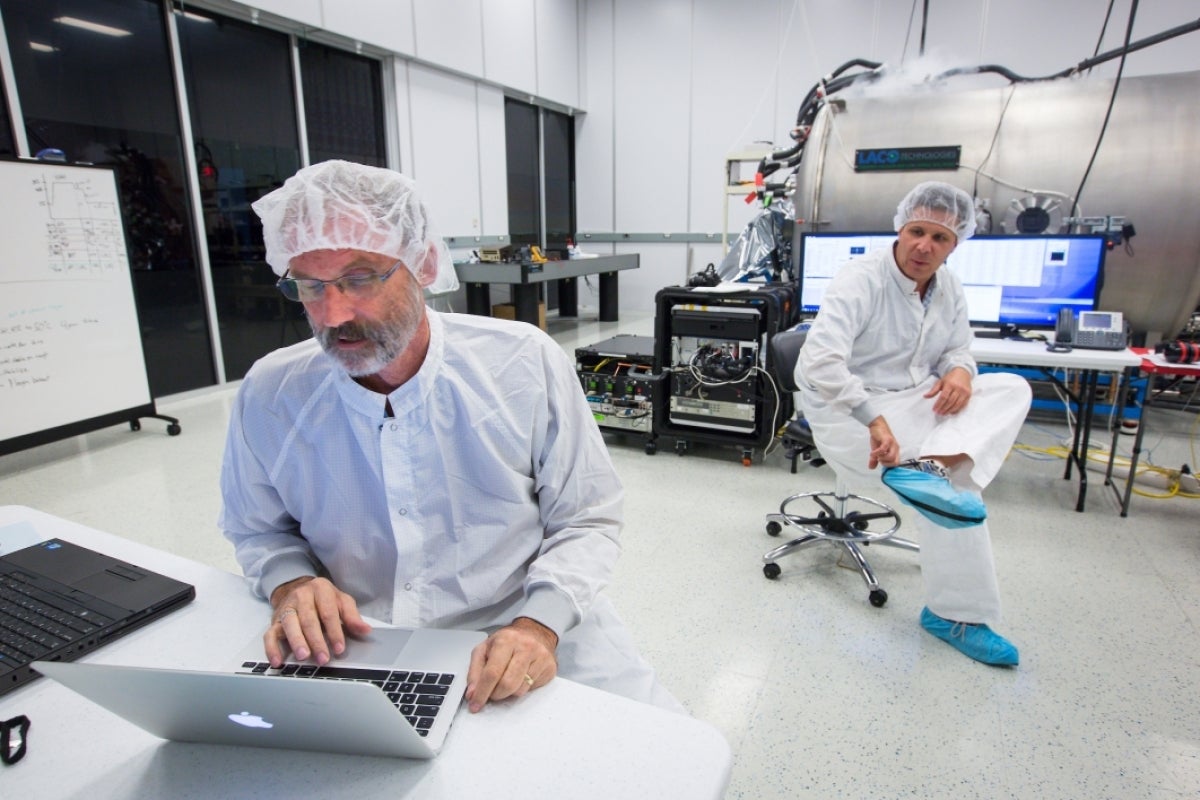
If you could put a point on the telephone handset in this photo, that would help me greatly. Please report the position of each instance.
(1064, 331)
(1095, 330)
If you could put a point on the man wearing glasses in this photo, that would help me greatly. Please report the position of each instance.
(421, 468)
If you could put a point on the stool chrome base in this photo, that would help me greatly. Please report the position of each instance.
(843, 519)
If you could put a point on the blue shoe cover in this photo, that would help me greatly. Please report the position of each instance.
(934, 497)
(977, 641)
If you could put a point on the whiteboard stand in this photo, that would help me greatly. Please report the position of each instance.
(71, 357)
(173, 428)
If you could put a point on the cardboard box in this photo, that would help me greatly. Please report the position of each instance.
(509, 311)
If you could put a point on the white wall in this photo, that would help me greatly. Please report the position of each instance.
(673, 86)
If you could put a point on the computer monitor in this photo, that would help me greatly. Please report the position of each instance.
(1011, 282)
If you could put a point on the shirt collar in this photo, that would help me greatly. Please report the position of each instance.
(403, 398)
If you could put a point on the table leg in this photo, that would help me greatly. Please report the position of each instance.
(479, 299)
(525, 299)
(608, 296)
(568, 297)
(1074, 454)
(1085, 422)
(1137, 447)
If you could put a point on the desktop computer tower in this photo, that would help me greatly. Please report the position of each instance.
(617, 377)
(712, 350)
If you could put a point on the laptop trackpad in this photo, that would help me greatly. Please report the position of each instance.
(381, 647)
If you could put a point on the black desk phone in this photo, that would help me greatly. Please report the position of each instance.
(1094, 330)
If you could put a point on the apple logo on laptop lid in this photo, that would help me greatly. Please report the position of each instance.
(248, 720)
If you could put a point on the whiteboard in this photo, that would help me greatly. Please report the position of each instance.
(71, 355)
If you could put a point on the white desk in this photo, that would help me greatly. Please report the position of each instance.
(1090, 363)
(564, 740)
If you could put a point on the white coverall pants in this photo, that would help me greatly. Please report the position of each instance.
(956, 564)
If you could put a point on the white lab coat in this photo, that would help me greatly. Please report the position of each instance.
(875, 349)
(487, 494)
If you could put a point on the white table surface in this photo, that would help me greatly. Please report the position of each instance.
(1035, 354)
(565, 740)
(1020, 353)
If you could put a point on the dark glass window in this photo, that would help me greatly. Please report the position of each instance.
(527, 186)
(242, 102)
(106, 95)
(559, 135)
(541, 168)
(8, 146)
(524, 172)
(343, 105)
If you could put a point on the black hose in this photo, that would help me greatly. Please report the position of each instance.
(1140, 44)
(1133, 6)
(1119, 52)
(832, 84)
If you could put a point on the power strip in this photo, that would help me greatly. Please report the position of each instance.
(1156, 478)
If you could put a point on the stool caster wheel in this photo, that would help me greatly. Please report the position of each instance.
(774, 529)
(772, 571)
(877, 597)
(174, 430)
(651, 448)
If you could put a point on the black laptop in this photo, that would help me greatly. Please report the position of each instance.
(59, 601)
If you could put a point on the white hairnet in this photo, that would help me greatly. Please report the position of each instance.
(939, 203)
(337, 205)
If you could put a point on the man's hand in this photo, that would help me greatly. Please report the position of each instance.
(884, 447)
(313, 617)
(953, 390)
(511, 662)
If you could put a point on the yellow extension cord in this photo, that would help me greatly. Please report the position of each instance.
(1173, 476)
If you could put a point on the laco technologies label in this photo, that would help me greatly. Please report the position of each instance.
(884, 159)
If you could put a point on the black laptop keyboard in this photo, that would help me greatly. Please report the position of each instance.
(418, 695)
(35, 623)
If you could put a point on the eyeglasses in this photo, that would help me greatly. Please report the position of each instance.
(14, 738)
(308, 290)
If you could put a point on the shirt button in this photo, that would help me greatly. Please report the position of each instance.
(402, 511)
(395, 427)
(408, 587)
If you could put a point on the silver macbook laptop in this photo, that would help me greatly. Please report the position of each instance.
(394, 693)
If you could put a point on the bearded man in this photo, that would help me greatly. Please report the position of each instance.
(420, 468)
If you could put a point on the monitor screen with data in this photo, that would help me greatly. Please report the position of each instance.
(1015, 281)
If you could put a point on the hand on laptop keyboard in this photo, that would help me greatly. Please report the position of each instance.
(312, 617)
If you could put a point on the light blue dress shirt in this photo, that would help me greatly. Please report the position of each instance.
(488, 495)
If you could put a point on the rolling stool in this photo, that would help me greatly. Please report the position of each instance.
(847, 520)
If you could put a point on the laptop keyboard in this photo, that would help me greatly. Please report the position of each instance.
(35, 623)
(417, 695)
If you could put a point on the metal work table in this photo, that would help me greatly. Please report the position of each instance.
(524, 277)
(1090, 363)
(1152, 365)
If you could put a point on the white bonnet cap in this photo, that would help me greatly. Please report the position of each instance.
(337, 205)
(941, 204)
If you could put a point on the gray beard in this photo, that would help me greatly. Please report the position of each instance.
(389, 338)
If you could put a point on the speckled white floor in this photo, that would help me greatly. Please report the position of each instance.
(820, 694)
